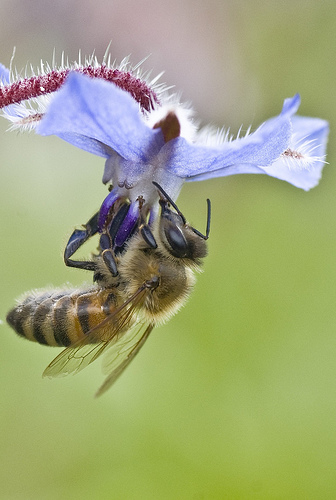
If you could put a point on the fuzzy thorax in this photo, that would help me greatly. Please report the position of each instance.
(176, 280)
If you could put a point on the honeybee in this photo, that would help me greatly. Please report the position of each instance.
(144, 285)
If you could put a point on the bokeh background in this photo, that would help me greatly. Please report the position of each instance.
(236, 396)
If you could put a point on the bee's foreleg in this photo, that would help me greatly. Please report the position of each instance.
(107, 253)
(76, 240)
(148, 236)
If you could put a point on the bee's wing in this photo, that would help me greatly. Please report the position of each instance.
(122, 353)
(110, 331)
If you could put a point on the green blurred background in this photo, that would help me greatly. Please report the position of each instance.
(236, 396)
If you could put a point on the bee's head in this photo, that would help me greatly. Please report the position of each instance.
(179, 239)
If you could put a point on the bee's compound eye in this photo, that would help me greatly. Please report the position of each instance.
(177, 241)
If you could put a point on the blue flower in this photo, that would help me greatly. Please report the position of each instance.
(162, 145)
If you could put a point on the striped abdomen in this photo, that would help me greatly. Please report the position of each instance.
(60, 318)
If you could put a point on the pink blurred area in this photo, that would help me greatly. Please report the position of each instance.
(193, 42)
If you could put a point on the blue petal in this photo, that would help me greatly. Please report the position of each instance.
(244, 155)
(306, 176)
(4, 75)
(97, 116)
(315, 132)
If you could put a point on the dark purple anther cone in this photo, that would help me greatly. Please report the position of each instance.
(105, 208)
(128, 225)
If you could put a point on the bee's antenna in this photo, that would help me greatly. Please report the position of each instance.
(173, 204)
(168, 198)
(207, 231)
